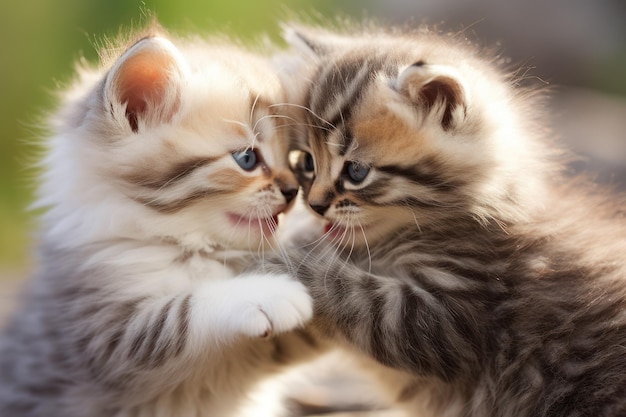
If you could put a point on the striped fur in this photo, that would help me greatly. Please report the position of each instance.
(139, 306)
(485, 282)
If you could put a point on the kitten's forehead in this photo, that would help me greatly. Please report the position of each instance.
(338, 88)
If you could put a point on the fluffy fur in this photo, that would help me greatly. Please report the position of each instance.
(455, 253)
(138, 306)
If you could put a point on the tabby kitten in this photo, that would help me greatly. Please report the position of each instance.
(164, 175)
(455, 252)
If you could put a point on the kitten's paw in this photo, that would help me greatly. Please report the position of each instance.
(276, 304)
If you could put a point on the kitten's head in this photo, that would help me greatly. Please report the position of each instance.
(171, 139)
(409, 131)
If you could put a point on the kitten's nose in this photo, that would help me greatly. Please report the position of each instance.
(289, 194)
(319, 209)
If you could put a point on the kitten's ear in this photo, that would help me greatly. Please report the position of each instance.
(146, 79)
(433, 88)
(308, 40)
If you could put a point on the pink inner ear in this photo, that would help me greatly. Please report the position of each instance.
(142, 83)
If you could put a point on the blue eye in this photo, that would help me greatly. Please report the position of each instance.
(357, 172)
(247, 159)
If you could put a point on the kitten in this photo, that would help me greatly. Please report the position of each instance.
(164, 175)
(455, 252)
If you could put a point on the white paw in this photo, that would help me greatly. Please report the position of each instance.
(271, 304)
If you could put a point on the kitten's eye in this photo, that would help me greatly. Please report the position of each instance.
(247, 159)
(307, 163)
(357, 172)
(302, 162)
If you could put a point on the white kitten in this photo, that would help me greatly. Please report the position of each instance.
(164, 176)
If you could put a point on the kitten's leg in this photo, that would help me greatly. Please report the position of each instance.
(256, 305)
(127, 343)
(399, 321)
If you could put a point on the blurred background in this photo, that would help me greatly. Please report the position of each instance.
(578, 46)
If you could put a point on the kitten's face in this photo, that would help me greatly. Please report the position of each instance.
(188, 139)
(399, 140)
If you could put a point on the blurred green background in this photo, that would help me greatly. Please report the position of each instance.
(575, 43)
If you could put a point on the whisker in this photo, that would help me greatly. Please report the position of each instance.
(320, 241)
(337, 249)
(253, 107)
(276, 245)
(353, 236)
(414, 217)
(308, 110)
(273, 116)
(324, 250)
(299, 124)
(367, 247)
(236, 122)
(269, 116)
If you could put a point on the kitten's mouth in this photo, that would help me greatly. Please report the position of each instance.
(338, 233)
(266, 225)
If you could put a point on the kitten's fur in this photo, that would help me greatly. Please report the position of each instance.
(138, 307)
(463, 259)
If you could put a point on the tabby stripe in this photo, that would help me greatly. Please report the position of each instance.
(183, 325)
(412, 348)
(449, 300)
(348, 139)
(157, 329)
(306, 337)
(175, 206)
(339, 187)
(165, 348)
(340, 89)
(377, 189)
(348, 78)
(138, 342)
(113, 343)
(173, 176)
(421, 177)
(412, 201)
(121, 319)
(161, 353)
(343, 111)
(329, 83)
(336, 108)
(378, 341)
(426, 344)
(423, 350)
